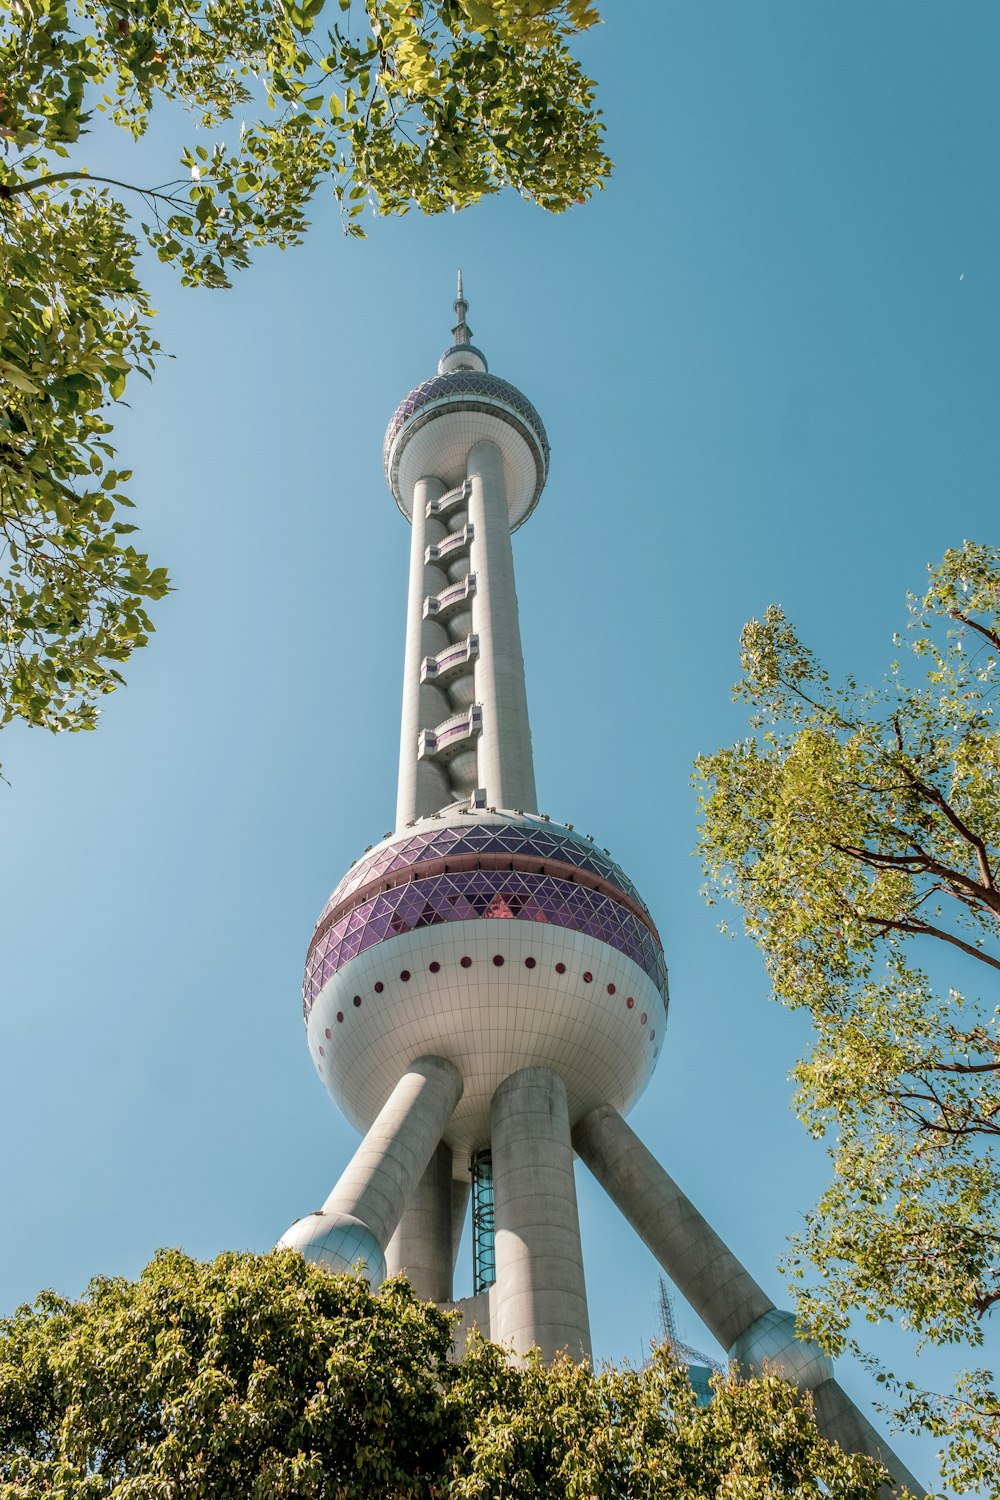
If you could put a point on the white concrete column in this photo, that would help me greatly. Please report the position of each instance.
(358, 1219)
(740, 1314)
(506, 769)
(540, 1296)
(423, 787)
(383, 1173)
(421, 1247)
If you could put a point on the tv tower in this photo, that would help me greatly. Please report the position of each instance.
(485, 993)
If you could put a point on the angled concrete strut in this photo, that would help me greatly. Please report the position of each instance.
(720, 1290)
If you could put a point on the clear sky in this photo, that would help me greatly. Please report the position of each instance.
(767, 359)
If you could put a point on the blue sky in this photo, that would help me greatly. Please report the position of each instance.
(767, 359)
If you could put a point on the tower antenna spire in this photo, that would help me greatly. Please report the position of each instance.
(461, 333)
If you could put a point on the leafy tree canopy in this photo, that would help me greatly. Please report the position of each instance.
(261, 1377)
(392, 103)
(859, 831)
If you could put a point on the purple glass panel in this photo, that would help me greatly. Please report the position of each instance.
(468, 894)
(493, 838)
(459, 908)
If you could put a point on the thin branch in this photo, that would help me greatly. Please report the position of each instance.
(957, 1067)
(984, 630)
(8, 192)
(971, 837)
(924, 929)
(969, 891)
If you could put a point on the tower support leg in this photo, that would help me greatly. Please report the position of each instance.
(421, 1247)
(358, 1219)
(703, 1269)
(540, 1298)
(756, 1334)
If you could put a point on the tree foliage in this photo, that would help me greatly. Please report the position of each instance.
(859, 831)
(565, 1431)
(255, 1377)
(391, 103)
(262, 1377)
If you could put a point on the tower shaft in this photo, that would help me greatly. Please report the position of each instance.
(465, 711)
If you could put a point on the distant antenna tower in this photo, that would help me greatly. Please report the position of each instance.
(686, 1354)
(668, 1322)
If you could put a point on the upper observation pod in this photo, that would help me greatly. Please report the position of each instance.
(435, 426)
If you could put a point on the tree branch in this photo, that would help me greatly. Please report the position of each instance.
(9, 191)
(956, 1067)
(969, 891)
(984, 630)
(924, 929)
(971, 837)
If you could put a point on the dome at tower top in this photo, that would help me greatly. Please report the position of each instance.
(433, 428)
(462, 357)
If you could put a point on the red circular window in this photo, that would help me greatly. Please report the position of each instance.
(434, 967)
(611, 989)
(340, 1015)
(630, 1002)
(379, 986)
(587, 977)
(357, 999)
(529, 963)
(404, 976)
(498, 960)
(560, 968)
(642, 1019)
(466, 962)
(329, 1033)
